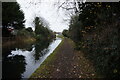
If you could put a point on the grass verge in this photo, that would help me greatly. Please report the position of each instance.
(60, 36)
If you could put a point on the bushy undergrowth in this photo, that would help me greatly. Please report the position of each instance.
(25, 33)
(102, 48)
(96, 32)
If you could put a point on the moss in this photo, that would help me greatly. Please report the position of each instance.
(46, 67)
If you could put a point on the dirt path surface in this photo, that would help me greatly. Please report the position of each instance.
(66, 63)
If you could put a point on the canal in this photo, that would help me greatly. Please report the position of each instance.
(21, 62)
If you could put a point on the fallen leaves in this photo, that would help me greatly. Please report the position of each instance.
(58, 70)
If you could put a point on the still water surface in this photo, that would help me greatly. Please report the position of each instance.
(21, 63)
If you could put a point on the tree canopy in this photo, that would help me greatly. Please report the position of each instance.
(41, 30)
(12, 15)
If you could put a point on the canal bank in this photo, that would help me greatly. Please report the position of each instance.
(8, 42)
(65, 62)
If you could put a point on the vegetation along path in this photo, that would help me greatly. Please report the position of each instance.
(65, 62)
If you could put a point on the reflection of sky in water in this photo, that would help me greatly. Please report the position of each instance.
(32, 64)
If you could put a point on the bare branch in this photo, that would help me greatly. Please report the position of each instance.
(69, 8)
(61, 5)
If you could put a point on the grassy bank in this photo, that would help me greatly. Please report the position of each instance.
(45, 64)
(17, 40)
(60, 36)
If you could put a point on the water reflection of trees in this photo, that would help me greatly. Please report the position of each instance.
(13, 67)
(41, 48)
(26, 47)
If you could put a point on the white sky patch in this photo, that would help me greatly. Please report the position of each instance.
(45, 9)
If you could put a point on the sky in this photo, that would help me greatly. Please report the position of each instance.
(46, 9)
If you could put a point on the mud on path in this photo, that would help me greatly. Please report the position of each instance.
(66, 63)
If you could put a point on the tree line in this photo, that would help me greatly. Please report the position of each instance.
(95, 30)
(13, 24)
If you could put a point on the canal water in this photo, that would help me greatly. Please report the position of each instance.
(22, 62)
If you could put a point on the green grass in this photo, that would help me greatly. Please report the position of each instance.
(60, 36)
(45, 67)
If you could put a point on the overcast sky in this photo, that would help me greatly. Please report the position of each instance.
(45, 9)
